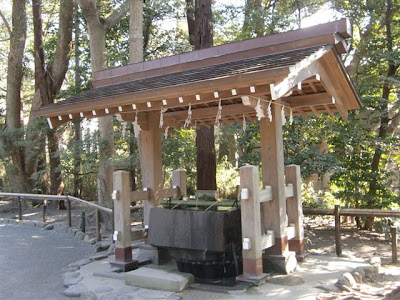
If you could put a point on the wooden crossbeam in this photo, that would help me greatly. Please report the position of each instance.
(301, 71)
(308, 100)
(140, 195)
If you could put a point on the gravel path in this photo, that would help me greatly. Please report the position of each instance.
(32, 262)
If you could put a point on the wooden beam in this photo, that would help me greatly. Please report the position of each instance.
(308, 100)
(171, 92)
(140, 195)
(301, 71)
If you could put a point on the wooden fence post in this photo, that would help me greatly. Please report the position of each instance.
(338, 241)
(83, 221)
(20, 208)
(98, 235)
(294, 210)
(393, 231)
(44, 211)
(69, 213)
(251, 225)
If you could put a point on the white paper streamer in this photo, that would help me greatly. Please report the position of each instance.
(166, 132)
(269, 111)
(218, 117)
(283, 116)
(189, 117)
(244, 124)
(259, 111)
(136, 126)
(291, 117)
(162, 111)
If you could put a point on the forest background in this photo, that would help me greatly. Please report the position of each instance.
(46, 56)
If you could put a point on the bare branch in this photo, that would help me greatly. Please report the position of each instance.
(117, 15)
(5, 22)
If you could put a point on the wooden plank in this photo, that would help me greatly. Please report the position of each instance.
(268, 240)
(140, 195)
(172, 192)
(122, 212)
(291, 231)
(289, 190)
(265, 194)
(303, 70)
(308, 100)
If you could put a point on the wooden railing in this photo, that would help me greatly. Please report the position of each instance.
(356, 212)
(68, 199)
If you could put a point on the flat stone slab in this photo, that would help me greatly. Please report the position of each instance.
(158, 279)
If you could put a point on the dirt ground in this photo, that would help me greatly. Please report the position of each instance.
(319, 235)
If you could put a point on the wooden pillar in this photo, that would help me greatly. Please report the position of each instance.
(122, 233)
(251, 224)
(338, 239)
(393, 232)
(275, 218)
(151, 162)
(179, 179)
(295, 210)
(274, 211)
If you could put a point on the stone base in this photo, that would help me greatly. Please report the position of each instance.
(284, 264)
(157, 256)
(254, 280)
(302, 257)
(125, 266)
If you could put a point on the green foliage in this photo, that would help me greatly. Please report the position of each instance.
(227, 179)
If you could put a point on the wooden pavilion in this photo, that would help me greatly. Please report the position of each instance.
(269, 78)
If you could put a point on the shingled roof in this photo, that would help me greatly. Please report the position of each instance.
(304, 78)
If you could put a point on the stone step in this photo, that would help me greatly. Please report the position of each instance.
(158, 279)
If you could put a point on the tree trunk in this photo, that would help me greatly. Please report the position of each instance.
(48, 80)
(384, 117)
(13, 129)
(206, 161)
(98, 29)
(77, 130)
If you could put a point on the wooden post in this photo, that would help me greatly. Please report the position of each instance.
(69, 213)
(150, 149)
(98, 234)
(251, 224)
(338, 241)
(44, 211)
(179, 179)
(122, 234)
(295, 210)
(83, 222)
(393, 232)
(19, 208)
(274, 212)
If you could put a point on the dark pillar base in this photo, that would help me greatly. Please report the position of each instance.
(298, 247)
(125, 266)
(252, 267)
(123, 259)
(284, 264)
(254, 280)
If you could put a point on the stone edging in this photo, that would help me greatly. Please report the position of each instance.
(57, 226)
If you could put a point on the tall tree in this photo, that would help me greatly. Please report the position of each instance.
(200, 23)
(98, 29)
(49, 79)
(13, 129)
